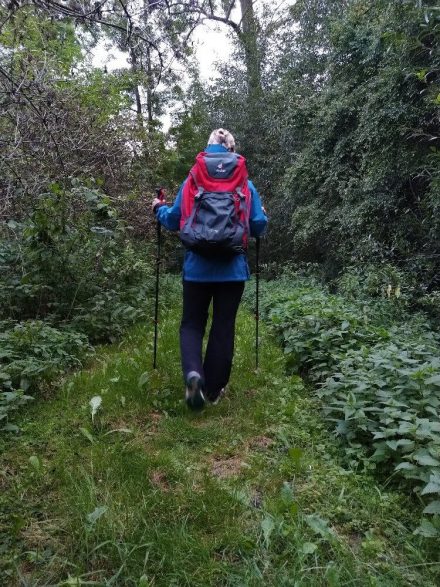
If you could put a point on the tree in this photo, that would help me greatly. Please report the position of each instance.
(362, 183)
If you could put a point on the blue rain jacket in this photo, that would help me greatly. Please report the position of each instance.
(202, 269)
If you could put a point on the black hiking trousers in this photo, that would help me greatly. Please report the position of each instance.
(215, 368)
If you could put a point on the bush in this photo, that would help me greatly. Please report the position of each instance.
(72, 260)
(71, 276)
(378, 371)
(387, 397)
(32, 352)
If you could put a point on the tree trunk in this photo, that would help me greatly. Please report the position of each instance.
(249, 40)
(137, 94)
(149, 89)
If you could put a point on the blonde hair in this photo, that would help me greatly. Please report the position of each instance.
(221, 136)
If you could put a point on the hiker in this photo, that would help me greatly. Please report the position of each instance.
(217, 208)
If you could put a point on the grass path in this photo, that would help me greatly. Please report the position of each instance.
(250, 492)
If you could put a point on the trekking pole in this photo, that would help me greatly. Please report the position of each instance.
(161, 195)
(257, 300)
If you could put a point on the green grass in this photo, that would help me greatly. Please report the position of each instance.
(250, 492)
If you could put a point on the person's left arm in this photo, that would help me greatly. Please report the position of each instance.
(257, 218)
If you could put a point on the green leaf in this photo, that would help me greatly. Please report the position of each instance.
(287, 494)
(427, 530)
(435, 379)
(35, 462)
(143, 379)
(143, 581)
(432, 508)
(431, 487)
(309, 547)
(268, 526)
(87, 434)
(122, 430)
(95, 404)
(97, 513)
(426, 460)
(10, 428)
(405, 465)
(320, 526)
(392, 444)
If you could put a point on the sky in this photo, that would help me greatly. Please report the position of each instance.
(211, 42)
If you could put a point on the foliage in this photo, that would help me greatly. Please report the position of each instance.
(31, 353)
(72, 260)
(387, 397)
(189, 134)
(346, 154)
(70, 276)
(378, 370)
(61, 118)
(255, 486)
(361, 185)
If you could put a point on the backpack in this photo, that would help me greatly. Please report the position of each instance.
(215, 208)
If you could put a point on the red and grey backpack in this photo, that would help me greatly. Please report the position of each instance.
(216, 202)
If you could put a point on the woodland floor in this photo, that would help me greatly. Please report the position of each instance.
(251, 492)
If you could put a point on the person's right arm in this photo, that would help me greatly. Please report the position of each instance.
(169, 216)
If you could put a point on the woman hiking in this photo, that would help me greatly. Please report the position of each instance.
(217, 208)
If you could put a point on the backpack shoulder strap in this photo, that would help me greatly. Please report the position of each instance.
(195, 176)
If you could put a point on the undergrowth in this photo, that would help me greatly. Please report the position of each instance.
(70, 278)
(376, 369)
(114, 483)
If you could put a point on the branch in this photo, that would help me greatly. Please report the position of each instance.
(35, 109)
(48, 4)
(230, 9)
(210, 15)
(129, 23)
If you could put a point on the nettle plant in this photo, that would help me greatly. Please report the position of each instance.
(387, 397)
(317, 329)
(31, 353)
(379, 384)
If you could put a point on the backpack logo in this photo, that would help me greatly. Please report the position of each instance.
(221, 168)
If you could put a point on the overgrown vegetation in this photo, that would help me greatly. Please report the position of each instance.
(347, 151)
(122, 486)
(70, 277)
(336, 106)
(377, 367)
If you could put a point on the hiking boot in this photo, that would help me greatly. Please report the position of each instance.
(195, 400)
(214, 398)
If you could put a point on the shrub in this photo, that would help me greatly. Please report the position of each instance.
(71, 258)
(387, 397)
(378, 371)
(32, 352)
(71, 275)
